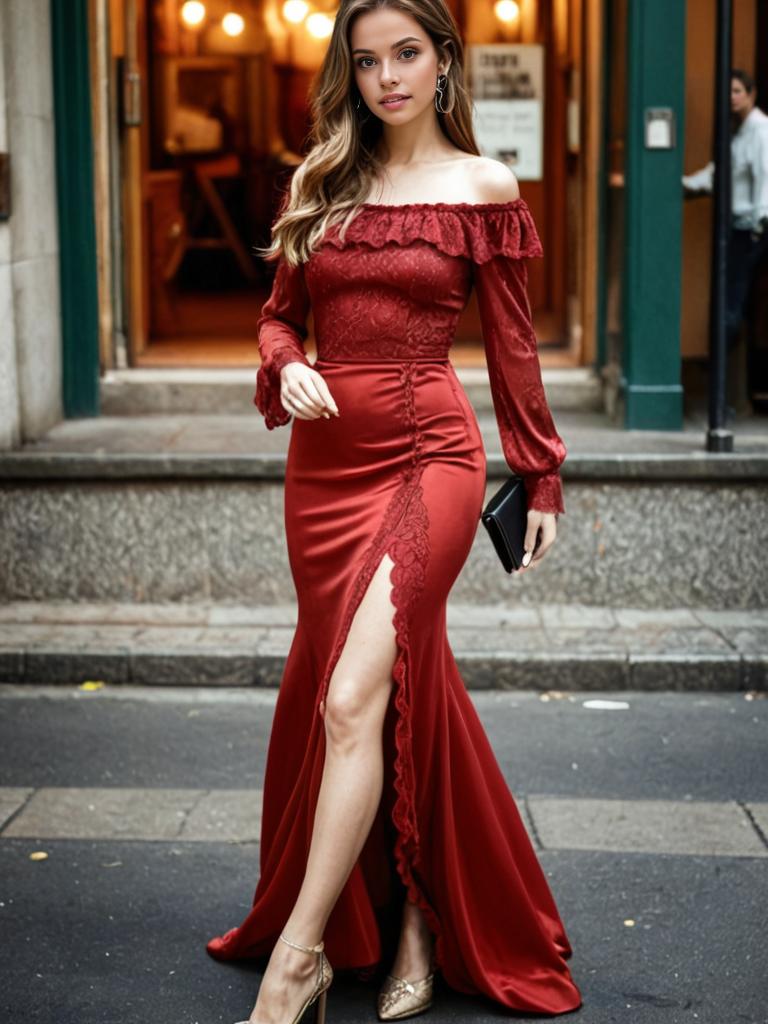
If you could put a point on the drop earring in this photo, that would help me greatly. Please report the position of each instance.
(442, 84)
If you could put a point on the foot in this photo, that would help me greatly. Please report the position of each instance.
(414, 952)
(288, 981)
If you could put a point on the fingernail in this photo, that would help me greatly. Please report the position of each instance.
(526, 557)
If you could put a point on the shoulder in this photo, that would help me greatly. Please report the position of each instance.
(492, 181)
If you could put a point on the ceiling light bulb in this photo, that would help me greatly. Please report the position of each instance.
(319, 25)
(193, 13)
(506, 10)
(295, 11)
(233, 24)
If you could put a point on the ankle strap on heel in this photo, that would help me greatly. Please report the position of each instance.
(305, 949)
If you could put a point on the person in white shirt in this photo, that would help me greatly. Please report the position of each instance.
(748, 241)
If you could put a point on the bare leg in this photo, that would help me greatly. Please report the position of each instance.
(349, 795)
(413, 960)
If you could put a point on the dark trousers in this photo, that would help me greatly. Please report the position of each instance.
(744, 257)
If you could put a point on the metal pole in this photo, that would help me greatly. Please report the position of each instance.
(720, 439)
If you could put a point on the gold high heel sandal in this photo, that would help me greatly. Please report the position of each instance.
(400, 998)
(323, 983)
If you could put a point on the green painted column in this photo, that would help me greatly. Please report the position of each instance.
(654, 196)
(76, 216)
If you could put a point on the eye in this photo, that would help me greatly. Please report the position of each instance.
(360, 62)
(408, 49)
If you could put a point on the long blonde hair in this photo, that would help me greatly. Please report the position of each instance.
(339, 168)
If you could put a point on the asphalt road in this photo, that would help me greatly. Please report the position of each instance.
(113, 931)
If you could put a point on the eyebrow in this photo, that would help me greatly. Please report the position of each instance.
(394, 46)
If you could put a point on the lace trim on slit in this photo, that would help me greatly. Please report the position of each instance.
(404, 535)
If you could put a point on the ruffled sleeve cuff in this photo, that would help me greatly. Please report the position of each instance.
(544, 492)
(267, 397)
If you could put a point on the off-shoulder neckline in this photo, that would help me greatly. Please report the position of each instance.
(444, 206)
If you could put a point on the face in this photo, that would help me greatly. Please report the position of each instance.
(392, 54)
(741, 100)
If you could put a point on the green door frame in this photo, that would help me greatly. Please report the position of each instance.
(653, 241)
(78, 274)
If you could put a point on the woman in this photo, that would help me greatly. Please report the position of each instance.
(381, 790)
(749, 196)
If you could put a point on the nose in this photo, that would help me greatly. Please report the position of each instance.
(388, 73)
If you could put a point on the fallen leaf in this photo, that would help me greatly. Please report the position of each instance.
(38, 855)
(629, 922)
(92, 684)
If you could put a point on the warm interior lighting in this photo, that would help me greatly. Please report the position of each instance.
(233, 24)
(193, 13)
(295, 11)
(506, 10)
(319, 25)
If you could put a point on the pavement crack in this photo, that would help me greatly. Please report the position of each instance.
(187, 814)
(19, 810)
(761, 835)
(532, 824)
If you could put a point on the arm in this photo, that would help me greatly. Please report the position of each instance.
(701, 181)
(760, 175)
(531, 445)
(282, 330)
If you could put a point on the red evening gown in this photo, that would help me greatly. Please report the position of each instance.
(402, 471)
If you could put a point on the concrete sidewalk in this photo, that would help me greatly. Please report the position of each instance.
(568, 647)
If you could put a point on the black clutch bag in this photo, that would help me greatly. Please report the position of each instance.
(505, 517)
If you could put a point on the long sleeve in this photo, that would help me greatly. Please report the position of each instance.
(760, 175)
(282, 330)
(702, 180)
(532, 447)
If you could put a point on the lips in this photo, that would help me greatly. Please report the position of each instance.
(393, 98)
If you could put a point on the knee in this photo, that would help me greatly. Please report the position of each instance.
(348, 712)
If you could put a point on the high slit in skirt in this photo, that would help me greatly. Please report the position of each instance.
(401, 471)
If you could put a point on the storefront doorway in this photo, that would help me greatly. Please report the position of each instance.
(210, 116)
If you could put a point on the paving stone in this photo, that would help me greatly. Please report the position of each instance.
(733, 618)
(225, 816)
(490, 616)
(582, 616)
(149, 814)
(760, 813)
(253, 615)
(643, 618)
(702, 828)
(11, 799)
(752, 640)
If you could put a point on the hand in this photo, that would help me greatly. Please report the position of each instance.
(547, 523)
(304, 393)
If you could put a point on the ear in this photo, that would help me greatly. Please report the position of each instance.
(444, 65)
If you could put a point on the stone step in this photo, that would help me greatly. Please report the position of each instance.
(142, 391)
(160, 509)
(539, 647)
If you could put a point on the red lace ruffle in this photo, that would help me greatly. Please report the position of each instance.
(267, 396)
(478, 231)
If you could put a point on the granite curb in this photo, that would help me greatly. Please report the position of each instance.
(497, 648)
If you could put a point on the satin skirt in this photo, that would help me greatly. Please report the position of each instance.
(401, 471)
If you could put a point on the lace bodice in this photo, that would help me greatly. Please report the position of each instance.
(394, 288)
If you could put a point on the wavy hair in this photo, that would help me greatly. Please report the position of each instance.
(341, 163)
